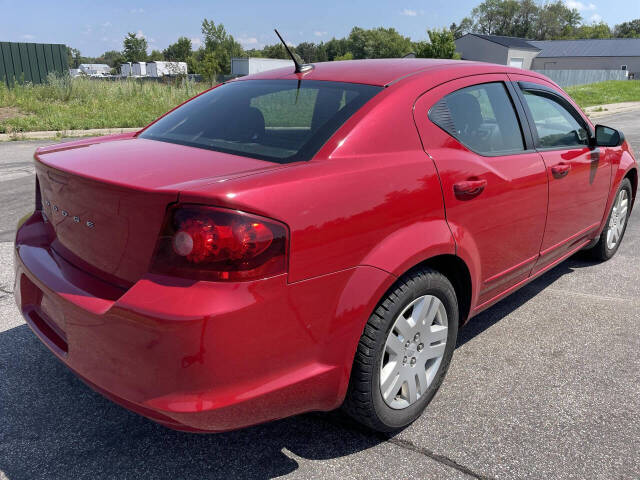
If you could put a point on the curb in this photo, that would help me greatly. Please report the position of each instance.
(94, 132)
(597, 111)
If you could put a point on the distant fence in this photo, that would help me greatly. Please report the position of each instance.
(568, 78)
(31, 62)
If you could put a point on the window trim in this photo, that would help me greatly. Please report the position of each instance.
(528, 144)
(546, 91)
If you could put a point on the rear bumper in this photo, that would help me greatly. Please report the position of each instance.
(199, 356)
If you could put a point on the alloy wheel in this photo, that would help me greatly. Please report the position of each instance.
(618, 219)
(413, 351)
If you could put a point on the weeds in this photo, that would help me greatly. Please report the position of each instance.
(63, 103)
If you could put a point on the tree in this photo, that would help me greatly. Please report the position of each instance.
(522, 18)
(595, 30)
(466, 26)
(346, 56)
(221, 44)
(276, 50)
(378, 43)
(308, 52)
(135, 48)
(179, 51)
(335, 47)
(441, 45)
(210, 65)
(629, 29)
(495, 17)
(155, 56)
(73, 57)
(113, 58)
(556, 21)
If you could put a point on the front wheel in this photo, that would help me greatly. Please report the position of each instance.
(611, 236)
(404, 352)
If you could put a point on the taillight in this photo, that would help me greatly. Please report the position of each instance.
(209, 243)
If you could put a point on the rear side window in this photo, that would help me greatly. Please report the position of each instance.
(557, 127)
(482, 118)
(275, 120)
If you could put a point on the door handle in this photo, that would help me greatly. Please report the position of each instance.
(560, 170)
(469, 188)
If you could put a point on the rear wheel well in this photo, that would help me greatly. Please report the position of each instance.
(457, 273)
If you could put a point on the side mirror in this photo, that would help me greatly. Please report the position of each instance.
(608, 137)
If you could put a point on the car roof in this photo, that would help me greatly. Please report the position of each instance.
(386, 71)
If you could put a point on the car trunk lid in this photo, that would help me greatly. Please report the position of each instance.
(106, 201)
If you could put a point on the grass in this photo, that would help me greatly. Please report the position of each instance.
(77, 104)
(602, 93)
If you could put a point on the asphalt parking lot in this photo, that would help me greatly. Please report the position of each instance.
(543, 385)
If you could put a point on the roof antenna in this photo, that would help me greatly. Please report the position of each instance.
(300, 67)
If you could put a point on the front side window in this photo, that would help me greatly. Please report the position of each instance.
(482, 118)
(275, 120)
(556, 126)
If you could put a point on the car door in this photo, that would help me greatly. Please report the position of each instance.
(579, 174)
(494, 182)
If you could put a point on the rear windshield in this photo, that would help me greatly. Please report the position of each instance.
(276, 120)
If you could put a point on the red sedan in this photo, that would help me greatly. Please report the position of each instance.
(289, 242)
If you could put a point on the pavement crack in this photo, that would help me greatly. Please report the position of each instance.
(407, 445)
(398, 442)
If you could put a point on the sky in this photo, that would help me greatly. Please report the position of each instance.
(94, 27)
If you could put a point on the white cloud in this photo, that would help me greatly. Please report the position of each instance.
(136, 10)
(28, 36)
(579, 5)
(246, 41)
(106, 24)
(408, 12)
(319, 33)
(595, 18)
(196, 42)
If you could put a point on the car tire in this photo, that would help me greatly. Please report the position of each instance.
(616, 225)
(379, 354)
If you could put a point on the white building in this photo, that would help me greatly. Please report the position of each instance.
(251, 65)
(160, 69)
(94, 69)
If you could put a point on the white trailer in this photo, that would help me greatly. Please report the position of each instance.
(251, 65)
(94, 69)
(139, 69)
(160, 69)
(125, 69)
